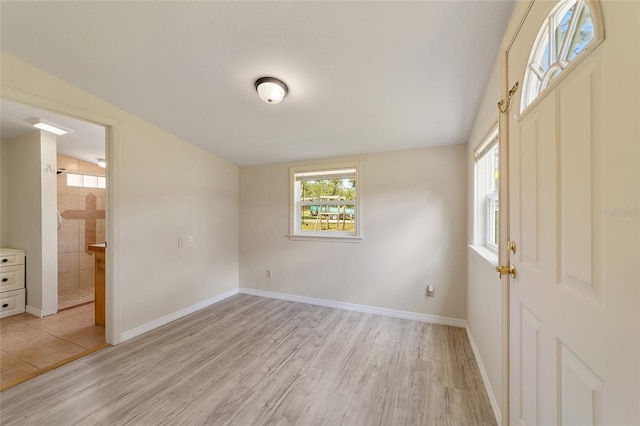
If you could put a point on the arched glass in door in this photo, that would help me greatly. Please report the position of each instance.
(568, 31)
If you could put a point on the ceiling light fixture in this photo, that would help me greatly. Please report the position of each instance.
(50, 127)
(271, 90)
(102, 162)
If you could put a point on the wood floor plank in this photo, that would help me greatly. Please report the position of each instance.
(256, 361)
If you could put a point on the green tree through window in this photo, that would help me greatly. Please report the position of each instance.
(325, 201)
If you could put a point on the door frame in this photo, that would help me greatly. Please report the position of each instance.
(520, 12)
(112, 151)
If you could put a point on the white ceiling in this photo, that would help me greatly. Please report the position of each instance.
(362, 76)
(86, 142)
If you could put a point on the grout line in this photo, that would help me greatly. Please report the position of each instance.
(66, 308)
(82, 351)
(26, 362)
(70, 342)
(33, 374)
(18, 356)
(56, 336)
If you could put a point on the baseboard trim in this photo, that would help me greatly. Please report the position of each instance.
(435, 319)
(34, 311)
(129, 334)
(485, 378)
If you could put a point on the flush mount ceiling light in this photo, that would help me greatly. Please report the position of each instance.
(102, 162)
(271, 90)
(50, 127)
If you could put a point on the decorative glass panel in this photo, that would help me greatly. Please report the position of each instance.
(561, 27)
(582, 38)
(565, 33)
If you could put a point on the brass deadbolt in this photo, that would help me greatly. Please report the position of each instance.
(504, 270)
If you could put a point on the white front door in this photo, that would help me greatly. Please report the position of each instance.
(574, 213)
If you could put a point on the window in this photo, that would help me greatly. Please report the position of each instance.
(566, 33)
(487, 187)
(86, 181)
(325, 202)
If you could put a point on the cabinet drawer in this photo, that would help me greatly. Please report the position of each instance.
(11, 278)
(12, 303)
(12, 257)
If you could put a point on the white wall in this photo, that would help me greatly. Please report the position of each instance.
(29, 207)
(160, 187)
(413, 224)
(4, 165)
(49, 237)
(483, 285)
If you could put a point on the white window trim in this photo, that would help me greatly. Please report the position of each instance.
(489, 256)
(101, 182)
(481, 196)
(294, 210)
(490, 197)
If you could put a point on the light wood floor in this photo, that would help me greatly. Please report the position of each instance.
(256, 361)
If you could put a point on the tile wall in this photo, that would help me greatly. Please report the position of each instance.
(75, 262)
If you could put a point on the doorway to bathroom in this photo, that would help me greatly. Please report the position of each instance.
(62, 313)
(81, 227)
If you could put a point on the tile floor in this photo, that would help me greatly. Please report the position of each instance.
(75, 297)
(29, 344)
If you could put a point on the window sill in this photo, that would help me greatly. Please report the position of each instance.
(329, 239)
(488, 255)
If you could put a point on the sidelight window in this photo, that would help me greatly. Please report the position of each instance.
(487, 181)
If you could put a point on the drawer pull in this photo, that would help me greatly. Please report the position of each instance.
(5, 305)
(4, 280)
(5, 260)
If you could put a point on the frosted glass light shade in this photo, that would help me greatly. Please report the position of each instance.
(271, 90)
(47, 126)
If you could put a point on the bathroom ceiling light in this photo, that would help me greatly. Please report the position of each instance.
(50, 127)
(271, 90)
(102, 162)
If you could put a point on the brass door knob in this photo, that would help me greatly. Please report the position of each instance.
(504, 270)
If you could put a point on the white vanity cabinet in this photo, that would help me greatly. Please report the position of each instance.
(12, 283)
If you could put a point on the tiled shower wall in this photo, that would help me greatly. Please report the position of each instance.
(75, 262)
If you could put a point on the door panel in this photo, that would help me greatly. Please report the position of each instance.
(581, 391)
(574, 303)
(529, 372)
(580, 197)
(529, 190)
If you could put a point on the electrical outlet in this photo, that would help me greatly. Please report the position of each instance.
(431, 291)
(190, 240)
(269, 275)
(180, 242)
